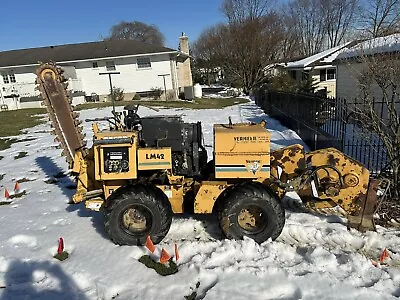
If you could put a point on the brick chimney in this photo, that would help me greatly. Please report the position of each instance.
(184, 71)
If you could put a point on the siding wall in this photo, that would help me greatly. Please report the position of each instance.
(131, 80)
(330, 85)
(348, 86)
(346, 80)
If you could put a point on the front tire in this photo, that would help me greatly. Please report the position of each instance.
(252, 210)
(134, 212)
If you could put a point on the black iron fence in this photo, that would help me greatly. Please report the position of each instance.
(326, 122)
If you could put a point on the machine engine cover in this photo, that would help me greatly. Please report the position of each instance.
(184, 139)
(242, 151)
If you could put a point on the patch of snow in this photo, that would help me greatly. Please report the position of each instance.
(315, 257)
(24, 240)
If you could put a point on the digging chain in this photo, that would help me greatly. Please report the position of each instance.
(65, 122)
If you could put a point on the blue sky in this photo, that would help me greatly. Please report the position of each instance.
(29, 23)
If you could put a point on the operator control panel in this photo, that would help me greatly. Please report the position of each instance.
(116, 159)
(115, 155)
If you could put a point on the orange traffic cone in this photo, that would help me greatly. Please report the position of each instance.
(149, 244)
(176, 253)
(16, 187)
(6, 194)
(385, 254)
(60, 246)
(165, 257)
(61, 254)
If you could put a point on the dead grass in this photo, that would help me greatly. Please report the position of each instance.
(17, 195)
(22, 180)
(6, 143)
(14, 121)
(21, 155)
(203, 103)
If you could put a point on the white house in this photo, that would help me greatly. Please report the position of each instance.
(352, 62)
(141, 68)
(320, 67)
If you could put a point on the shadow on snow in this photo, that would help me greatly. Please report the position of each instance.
(68, 187)
(38, 280)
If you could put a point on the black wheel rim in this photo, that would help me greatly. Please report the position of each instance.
(252, 219)
(136, 219)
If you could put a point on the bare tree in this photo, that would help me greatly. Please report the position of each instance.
(204, 54)
(243, 49)
(340, 19)
(255, 35)
(379, 110)
(137, 31)
(242, 10)
(310, 23)
(321, 24)
(381, 17)
(291, 42)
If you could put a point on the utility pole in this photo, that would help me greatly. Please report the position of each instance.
(111, 86)
(165, 86)
(1, 95)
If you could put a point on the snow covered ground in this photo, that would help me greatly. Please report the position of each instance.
(314, 258)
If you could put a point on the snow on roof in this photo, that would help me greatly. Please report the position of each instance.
(329, 59)
(324, 55)
(386, 44)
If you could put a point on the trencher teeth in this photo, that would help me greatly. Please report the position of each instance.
(64, 120)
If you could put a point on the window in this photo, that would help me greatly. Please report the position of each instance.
(9, 78)
(327, 74)
(293, 74)
(143, 63)
(322, 75)
(331, 74)
(5, 78)
(95, 65)
(110, 65)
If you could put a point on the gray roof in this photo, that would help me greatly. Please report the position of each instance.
(74, 52)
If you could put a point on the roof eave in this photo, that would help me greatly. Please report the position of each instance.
(93, 59)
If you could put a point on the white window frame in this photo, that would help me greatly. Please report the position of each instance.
(8, 78)
(326, 74)
(334, 74)
(5, 78)
(110, 66)
(143, 65)
(11, 77)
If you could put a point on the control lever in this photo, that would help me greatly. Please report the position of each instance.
(98, 119)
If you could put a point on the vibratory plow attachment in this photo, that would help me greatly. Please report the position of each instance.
(52, 86)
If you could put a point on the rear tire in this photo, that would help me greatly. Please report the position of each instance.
(134, 212)
(252, 210)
